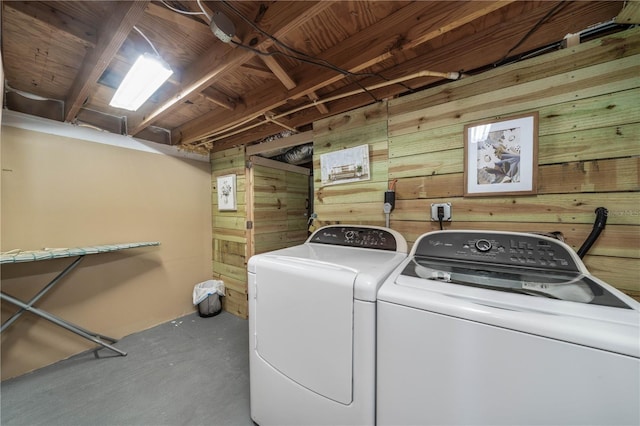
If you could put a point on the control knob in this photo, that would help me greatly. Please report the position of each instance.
(483, 245)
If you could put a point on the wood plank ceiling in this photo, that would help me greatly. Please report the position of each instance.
(288, 64)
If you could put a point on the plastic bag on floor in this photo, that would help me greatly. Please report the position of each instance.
(207, 288)
(206, 296)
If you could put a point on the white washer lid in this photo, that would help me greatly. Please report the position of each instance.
(602, 327)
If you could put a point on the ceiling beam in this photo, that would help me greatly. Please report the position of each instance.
(255, 70)
(194, 81)
(462, 14)
(267, 98)
(358, 53)
(216, 97)
(278, 71)
(111, 36)
(322, 108)
(471, 50)
(373, 45)
(280, 18)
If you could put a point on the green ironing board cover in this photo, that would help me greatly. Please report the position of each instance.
(17, 256)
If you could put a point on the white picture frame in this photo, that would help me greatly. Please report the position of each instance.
(346, 165)
(501, 156)
(227, 193)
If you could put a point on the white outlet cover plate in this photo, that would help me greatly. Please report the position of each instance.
(447, 212)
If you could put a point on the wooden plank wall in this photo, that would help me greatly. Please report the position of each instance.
(229, 232)
(359, 202)
(279, 208)
(589, 153)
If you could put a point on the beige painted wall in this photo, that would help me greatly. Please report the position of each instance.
(63, 192)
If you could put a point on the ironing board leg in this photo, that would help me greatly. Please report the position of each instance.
(42, 292)
(94, 337)
(62, 323)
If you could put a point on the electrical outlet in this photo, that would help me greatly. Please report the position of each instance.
(444, 209)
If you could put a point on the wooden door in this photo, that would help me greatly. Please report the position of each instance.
(278, 194)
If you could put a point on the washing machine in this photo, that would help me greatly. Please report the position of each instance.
(496, 328)
(312, 311)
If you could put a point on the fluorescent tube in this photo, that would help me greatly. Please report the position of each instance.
(145, 77)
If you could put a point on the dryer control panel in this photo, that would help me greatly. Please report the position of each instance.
(356, 236)
(505, 248)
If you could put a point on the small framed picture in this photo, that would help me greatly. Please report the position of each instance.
(227, 193)
(501, 156)
(345, 166)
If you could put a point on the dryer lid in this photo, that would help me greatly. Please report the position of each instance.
(370, 266)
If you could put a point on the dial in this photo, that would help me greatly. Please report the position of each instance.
(483, 245)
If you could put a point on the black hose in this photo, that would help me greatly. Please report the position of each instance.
(598, 227)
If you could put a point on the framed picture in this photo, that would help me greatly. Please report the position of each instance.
(345, 165)
(227, 193)
(501, 156)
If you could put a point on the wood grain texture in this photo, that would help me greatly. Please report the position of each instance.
(366, 126)
(67, 25)
(340, 46)
(589, 154)
(279, 208)
(111, 36)
(229, 232)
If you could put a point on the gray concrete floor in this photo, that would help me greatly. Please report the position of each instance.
(190, 371)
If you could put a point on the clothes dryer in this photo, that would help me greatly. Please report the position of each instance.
(312, 312)
(496, 328)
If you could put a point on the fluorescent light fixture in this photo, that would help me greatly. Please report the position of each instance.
(145, 77)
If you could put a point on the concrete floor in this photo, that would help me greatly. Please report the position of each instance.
(191, 371)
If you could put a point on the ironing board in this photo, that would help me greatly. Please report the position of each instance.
(20, 256)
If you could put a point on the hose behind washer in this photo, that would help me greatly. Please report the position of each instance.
(598, 227)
